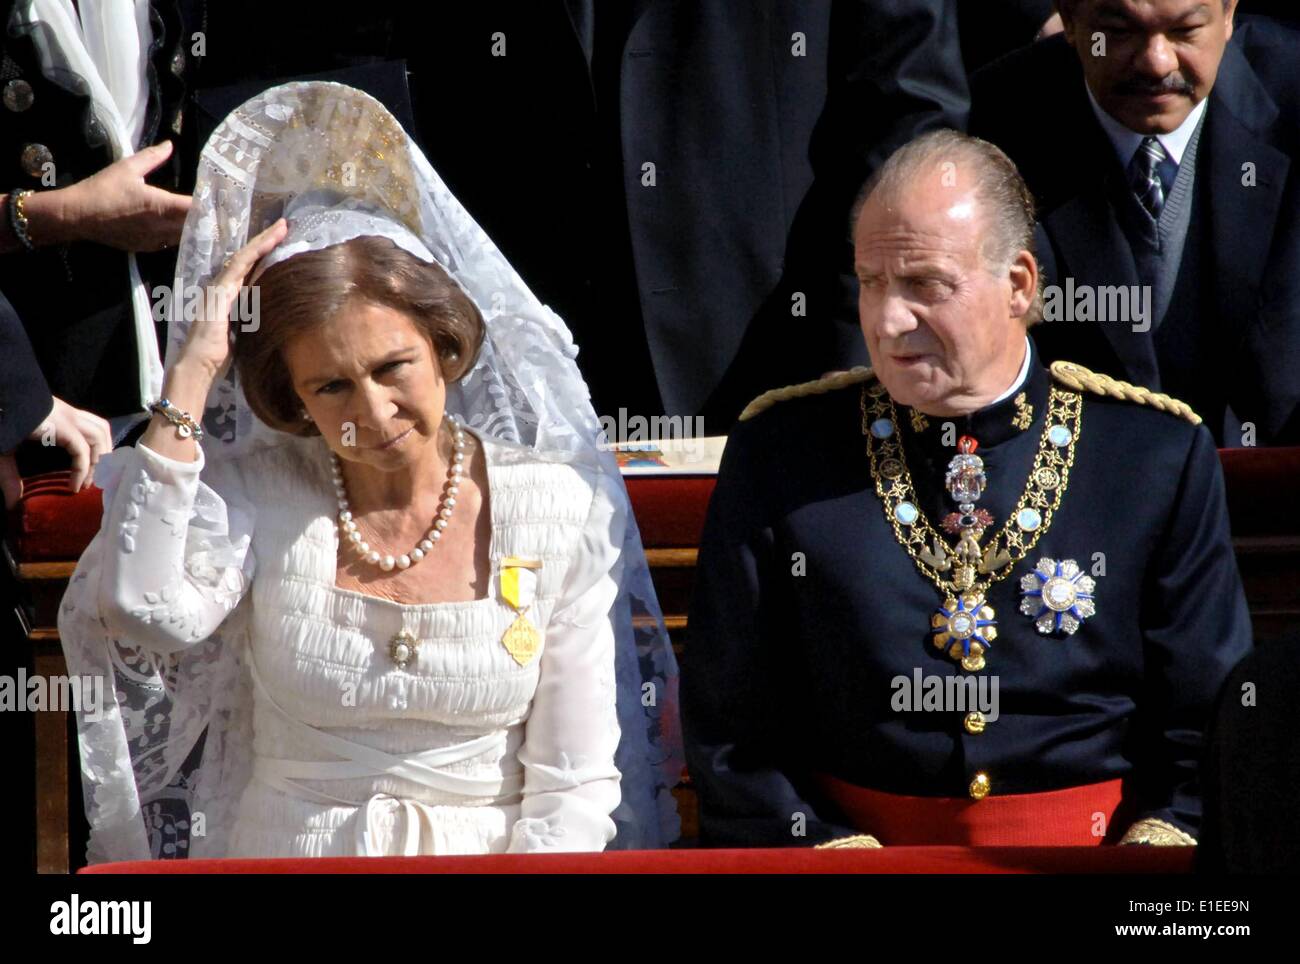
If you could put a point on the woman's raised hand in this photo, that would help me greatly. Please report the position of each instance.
(206, 354)
(207, 347)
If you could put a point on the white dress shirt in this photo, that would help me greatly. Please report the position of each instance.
(1020, 379)
(1126, 142)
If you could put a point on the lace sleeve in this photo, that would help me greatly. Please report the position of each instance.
(571, 784)
(177, 553)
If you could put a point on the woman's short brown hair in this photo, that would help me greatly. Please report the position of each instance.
(300, 293)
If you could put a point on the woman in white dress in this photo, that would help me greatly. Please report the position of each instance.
(373, 627)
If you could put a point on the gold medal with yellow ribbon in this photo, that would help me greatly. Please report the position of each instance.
(519, 588)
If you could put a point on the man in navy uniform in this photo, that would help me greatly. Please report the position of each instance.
(961, 599)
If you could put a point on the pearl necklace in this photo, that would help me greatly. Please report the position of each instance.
(348, 527)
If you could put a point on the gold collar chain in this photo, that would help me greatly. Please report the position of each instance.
(964, 625)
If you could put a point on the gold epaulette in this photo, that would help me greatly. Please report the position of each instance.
(1157, 833)
(820, 386)
(861, 841)
(1082, 380)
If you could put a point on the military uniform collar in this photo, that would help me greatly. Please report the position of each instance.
(1020, 411)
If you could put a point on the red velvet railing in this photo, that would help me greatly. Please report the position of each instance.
(795, 860)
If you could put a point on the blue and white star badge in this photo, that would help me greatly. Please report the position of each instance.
(965, 627)
(1058, 596)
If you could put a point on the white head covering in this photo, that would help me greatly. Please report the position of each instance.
(339, 166)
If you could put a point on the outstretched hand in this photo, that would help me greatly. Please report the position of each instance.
(117, 208)
(84, 435)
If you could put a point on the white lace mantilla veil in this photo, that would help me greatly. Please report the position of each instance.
(174, 739)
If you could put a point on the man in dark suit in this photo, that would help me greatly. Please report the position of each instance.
(67, 274)
(1160, 143)
(763, 120)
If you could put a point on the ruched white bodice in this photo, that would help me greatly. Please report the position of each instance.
(462, 750)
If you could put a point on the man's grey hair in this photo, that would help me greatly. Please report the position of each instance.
(931, 162)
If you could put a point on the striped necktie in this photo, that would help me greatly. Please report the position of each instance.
(1144, 176)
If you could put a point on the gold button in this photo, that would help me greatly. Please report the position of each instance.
(34, 159)
(980, 786)
(974, 722)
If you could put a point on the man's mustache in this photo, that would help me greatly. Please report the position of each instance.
(1173, 84)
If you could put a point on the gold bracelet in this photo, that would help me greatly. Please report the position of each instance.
(186, 427)
(18, 218)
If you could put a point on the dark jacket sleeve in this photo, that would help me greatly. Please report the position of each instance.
(1252, 767)
(993, 28)
(896, 72)
(25, 399)
(1197, 629)
(734, 707)
(1265, 389)
(898, 62)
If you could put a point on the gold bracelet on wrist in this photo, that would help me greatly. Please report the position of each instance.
(186, 427)
(18, 217)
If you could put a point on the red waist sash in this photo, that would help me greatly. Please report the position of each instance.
(1056, 818)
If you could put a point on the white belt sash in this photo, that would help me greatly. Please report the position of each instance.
(362, 761)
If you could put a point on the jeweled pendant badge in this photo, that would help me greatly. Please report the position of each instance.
(966, 481)
(964, 627)
(403, 648)
(1058, 596)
